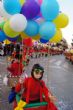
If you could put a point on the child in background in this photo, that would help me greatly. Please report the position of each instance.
(16, 67)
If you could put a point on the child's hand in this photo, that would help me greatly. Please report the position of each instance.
(53, 98)
(21, 80)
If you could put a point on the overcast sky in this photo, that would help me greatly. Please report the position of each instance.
(66, 6)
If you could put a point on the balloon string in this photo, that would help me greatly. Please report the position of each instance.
(22, 53)
(6, 57)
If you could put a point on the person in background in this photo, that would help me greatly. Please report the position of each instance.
(16, 67)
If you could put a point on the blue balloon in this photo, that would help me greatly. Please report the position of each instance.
(43, 40)
(30, 9)
(50, 9)
(47, 30)
(32, 28)
(2, 36)
(37, 17)
(12, 39)
(12, 6)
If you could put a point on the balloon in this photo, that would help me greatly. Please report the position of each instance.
(43, 40)
(40, 20)
(18, 23)
(23, 35)
(38, 16)
(61, 21)
(37, 37)
(22, 2)
(8, 31)
(32, 28)
(49, 9)
(12, 6)
(3, 13)
(28, 42)
(47, 30)
(71, 51)
(30, 9)
(7, 41)
(1, 25)
(40, 1)
(2, 36)
(57, 37)
(12, 39)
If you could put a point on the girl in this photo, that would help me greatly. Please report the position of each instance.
(35, 89)
(16, 67)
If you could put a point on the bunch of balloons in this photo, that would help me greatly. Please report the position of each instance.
(37, 19)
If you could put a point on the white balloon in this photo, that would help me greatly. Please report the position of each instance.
(18, 22)
(3, 13)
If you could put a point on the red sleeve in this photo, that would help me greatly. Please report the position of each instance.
(45, 89)
(18, 88)
(25, 84)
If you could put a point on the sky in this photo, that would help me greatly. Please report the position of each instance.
(66, 6)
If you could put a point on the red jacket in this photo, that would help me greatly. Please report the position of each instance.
(15, 69)
(33, 89)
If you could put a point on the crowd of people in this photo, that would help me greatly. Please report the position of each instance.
(50, 48)
(69, 54)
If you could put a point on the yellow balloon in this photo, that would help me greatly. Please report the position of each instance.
(22, 2)
(7, 41)
(57, 37)
(8, 31)
(33, 40)
(23, 35)
(71, 51)
(61, 21)
(37, 37)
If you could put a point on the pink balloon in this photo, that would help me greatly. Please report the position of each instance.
(40, 2)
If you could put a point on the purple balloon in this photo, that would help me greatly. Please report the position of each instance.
(30, 9)
(12, 39)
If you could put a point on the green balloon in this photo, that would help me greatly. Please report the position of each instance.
(8, 31)
(2, 25)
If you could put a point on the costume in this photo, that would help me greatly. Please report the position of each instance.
(34, 90)
(30, 85)
(15, 69)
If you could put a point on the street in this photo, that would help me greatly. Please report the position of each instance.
(58, 76)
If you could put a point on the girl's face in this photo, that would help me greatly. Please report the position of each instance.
(37, 73)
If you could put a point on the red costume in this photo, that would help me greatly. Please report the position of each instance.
(34, 90)
(15, 69)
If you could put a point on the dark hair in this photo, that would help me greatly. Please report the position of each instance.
(37, 66)
(18, 56)
(12, 61)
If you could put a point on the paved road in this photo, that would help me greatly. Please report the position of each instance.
(58, 76)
